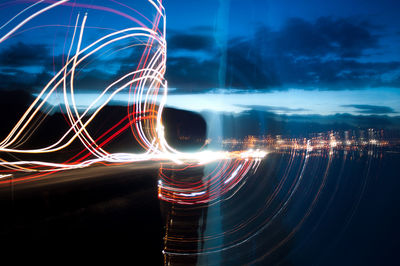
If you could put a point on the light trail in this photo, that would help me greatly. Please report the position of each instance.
(5, 176)
(249, 222)
(148, 91)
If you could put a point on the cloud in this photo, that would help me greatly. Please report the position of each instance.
(327, 54)
(29, 67)
(21, 80)
(191, 42)
(188, 74)
(280, 109)
(370, 109)
(337, 74)
(22, 54)
(343, 37)
(246, 69)
(198, 73)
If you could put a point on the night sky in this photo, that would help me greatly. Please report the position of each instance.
(309, 59)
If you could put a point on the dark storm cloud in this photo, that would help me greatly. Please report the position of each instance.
(247, 69)
(272, 108)
(328, 54)
(13, 61)
(342, 37)
(325, 54)
(21, 54)
(191, 75)
(21, 80)
(42, 64)
(371, 109)
(191, 42)
(336, 74)
(196, 73)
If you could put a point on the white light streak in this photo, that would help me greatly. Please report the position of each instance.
(147, 96)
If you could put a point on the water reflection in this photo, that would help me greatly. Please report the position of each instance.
(297, 209)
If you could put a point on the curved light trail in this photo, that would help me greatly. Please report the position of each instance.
(147, 97)
(281, 203)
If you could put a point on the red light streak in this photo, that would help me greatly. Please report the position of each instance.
(148, 93)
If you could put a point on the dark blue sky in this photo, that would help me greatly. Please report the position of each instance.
(288, 57)
(342, 51)
(246, 16)
(365, 31)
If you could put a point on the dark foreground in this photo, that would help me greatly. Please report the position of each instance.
(85, 215)
(334, 208)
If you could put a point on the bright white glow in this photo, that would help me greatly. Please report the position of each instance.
(5, 176)
(233, 175)
(193, 194)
